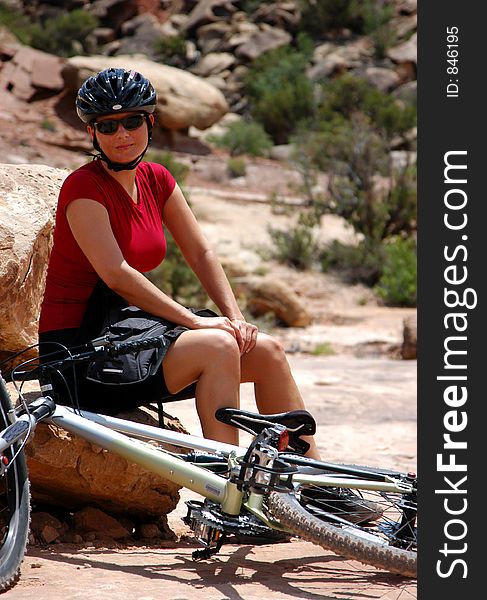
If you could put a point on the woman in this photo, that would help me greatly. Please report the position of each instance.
(109, 227)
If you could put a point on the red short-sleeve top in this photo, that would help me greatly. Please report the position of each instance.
(137, 227)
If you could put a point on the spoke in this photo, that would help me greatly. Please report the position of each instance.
(374, 513)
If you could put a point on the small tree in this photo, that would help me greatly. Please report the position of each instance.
(242, 137)
(347, 96)
(280, 95)
(171, 51)
(363, 186)
(57, 35)
(397, 284)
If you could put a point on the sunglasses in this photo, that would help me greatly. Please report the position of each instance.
(110, 126)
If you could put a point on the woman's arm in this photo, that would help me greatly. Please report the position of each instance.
(199, 255)
(90, 225)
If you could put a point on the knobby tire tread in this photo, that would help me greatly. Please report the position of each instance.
(13, 548)
(286, 508)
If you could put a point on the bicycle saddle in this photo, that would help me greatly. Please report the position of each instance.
(297, 422)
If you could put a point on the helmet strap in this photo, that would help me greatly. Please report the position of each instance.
(129, 166)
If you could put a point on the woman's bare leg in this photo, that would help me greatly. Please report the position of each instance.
(212, 358)
(275, 389)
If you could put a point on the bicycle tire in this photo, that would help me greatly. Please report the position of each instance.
(373, 542)
(14, 505)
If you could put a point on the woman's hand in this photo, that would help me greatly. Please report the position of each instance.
(245, 333)
(214, 323)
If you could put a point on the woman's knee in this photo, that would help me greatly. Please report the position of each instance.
(270, 350)
(221, 345)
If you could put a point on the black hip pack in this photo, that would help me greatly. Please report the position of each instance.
(109, 316)
(124, 324)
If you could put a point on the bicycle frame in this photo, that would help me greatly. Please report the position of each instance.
(102, 430)
(253, 495)
(112, 434)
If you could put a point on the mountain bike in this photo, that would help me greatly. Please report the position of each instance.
(268, 491)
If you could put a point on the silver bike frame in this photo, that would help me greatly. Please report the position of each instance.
(102, 430)
(111, 433)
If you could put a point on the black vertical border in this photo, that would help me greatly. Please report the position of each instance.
(451, 124)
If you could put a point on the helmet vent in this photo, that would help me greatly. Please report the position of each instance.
(113, 90)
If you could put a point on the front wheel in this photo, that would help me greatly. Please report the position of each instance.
(377, 528)
(14, 504)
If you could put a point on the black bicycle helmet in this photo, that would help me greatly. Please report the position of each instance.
(114, 90)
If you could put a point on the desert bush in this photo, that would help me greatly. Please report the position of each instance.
(361, 16)
(56, 35)
(16, 23)
(280, 95)
(242, 137)
(48, 125)
(318, 16)
(250, 6)
(347, 95)
(362, 263)
(398, 282)
(237, 167)
(323, 349)
(376, 23)
(363, 187)
(171, 50)
(296, 246)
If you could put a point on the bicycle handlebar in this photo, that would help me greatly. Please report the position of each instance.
(95, 351)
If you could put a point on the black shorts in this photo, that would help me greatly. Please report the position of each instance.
(71, 387)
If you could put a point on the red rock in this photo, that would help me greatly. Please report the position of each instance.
(91, 519)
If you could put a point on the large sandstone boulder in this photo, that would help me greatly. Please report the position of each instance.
(407, 52)
(208, 11)
(28, 195)
(32, 74)
(271, 295)
(183, 98)
(268, 38)
(67, 471)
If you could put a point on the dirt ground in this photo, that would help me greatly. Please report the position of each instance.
(362, 396)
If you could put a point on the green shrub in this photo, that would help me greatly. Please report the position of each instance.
(236, 167)
(323, 349)
(16, 23)
(243, 137)
(348, 95)
(376, 23)
(56, 35)
(362, 263)
(250, 6)
(296, 247)
(354, 154)
(318, 16)
(280, 95)
(48, 125)
(397, 285)
(361, 16)
(171, 50)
